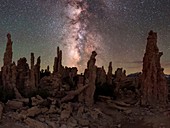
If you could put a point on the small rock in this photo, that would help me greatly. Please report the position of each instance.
(129, 111)
(72, 122)
(36, 100)
(33, 111)
(41, 119)
(119, 125)
(24, 100)
(35, 124)
(43, 110)
(83, 122)
(12, 104)
(51, 124)
(94, 114)
(141, 118)
(19, 117)
(80, 111)
(52, 109)
(162, 125)
(65, 114)
(167, 113)
(63, 126)
(39, 97)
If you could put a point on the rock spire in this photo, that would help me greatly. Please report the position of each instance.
(153, 81)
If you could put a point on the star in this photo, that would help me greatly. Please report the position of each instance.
(116, 29)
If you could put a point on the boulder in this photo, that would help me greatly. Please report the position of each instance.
(83, 122)
(67, 110)
(18, 116)
(37, 100)
(52, 110)
(72, 122)
(33, 111)
(35, 124)
(65, 114)
(63, 126)
(80, 111)
(12, 104)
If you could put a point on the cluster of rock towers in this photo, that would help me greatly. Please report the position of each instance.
(19, 77)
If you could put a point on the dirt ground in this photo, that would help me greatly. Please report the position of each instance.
(138, 117)
(134, 117)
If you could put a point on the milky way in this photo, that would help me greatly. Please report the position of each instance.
(80, 39)
(116, 29)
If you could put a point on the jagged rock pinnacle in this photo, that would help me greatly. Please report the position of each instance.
(153, 81)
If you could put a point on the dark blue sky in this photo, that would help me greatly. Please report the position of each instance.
(39, 26)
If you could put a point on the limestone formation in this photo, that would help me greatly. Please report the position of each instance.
(7, 67)
(120, 74)
(80, 84)
(55, 67)
(153, 81)
(34, 78)
(73, 72)
(109, 74)
(71, 94)
(22, 73)
(32, 72)
(90, 80)
(58, 68)
(48, 69)
(14, 81)
(101, 76)
(14, 74)
(70, 72)
(124, 85)
(9, 70)
(32, 60)
(8, 53)
(37, 71)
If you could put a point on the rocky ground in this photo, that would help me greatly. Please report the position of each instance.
(48, 113)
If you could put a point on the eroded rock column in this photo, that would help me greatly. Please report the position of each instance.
(153, 81)
(90, 79)
(109, 74)
(101, 76)
(58, 68)
(32, 72)
(7, 67)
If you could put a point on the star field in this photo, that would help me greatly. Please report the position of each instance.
(39, 26)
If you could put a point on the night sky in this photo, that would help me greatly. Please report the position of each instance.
(116, 29)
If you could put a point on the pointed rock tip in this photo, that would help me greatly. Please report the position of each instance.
(152, 32)
(9, 36)
(94, 52)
